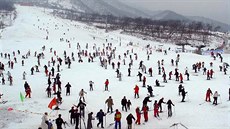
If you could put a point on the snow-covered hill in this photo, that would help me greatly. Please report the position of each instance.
(28, 34)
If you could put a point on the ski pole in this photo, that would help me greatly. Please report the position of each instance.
(105, 120)
(174, 111)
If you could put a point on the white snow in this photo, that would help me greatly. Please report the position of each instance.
(29, 33)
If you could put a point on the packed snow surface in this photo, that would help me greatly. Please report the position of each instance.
(28, 33)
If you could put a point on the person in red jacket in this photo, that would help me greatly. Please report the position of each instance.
(181, 78)
(211, 73)
(28, 92)
(138, 113)
(136, 92)
(156, 107)
(208, 94)
(117, 119)
(145, 110)
(106, 84)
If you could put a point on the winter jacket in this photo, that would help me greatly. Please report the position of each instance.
(123, 101)
(100, 115)
(216, 94)
(117, 116)
(109, 102)
(136, 89)
(44, 122)
(129, 119)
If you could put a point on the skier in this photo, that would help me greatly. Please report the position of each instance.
(3, 80)
(145, 110)
(11, 80)
(28, 92)
(68, 89)
(170, 75)
(211, 73)
(32, 71)
(91, 85)
(72, 119)
(44, 123)
(146, 100)
(183, 94)
(181, 78)
(48, 90)
(100, 116)
(138, 113)
(119, 76)
(136, 92)
(81, 95)
(139, 75)
(160, 103)
(109, 102)
(169, 103)
(106, 85)
(164, 77)
(208, 94)
(82, 106)
(180, 87)
(129, 72)
(157, 82)
(59, 122)
(144, 81)
(77, 117)
(150, 72)
(150, 90)
(156, 107)
(215, 97)
(124, 104)
(129, 104)
(117, 118)
(129, 119)
(117, 71)
(24, 75)
(89, 121)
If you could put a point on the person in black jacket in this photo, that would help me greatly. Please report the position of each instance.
(180, 89)
(59, 122)
(82, 108)
(150, 90)
(68, 88)
(72, 119)
(183, 94)
(100, 116)
(129, 119)
(160, 103)
(124, 104)
(146, 100)
(169, 103)
(140, 76)
(77, 117)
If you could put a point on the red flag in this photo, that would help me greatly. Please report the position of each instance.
(52, 103)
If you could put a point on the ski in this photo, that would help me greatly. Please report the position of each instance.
(159, 86)
(111, 124)
(159, 118)
(3, 102)
(201, 103)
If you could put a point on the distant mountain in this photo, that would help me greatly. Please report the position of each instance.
(169, 15)
(104, 7)
(118, 8)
